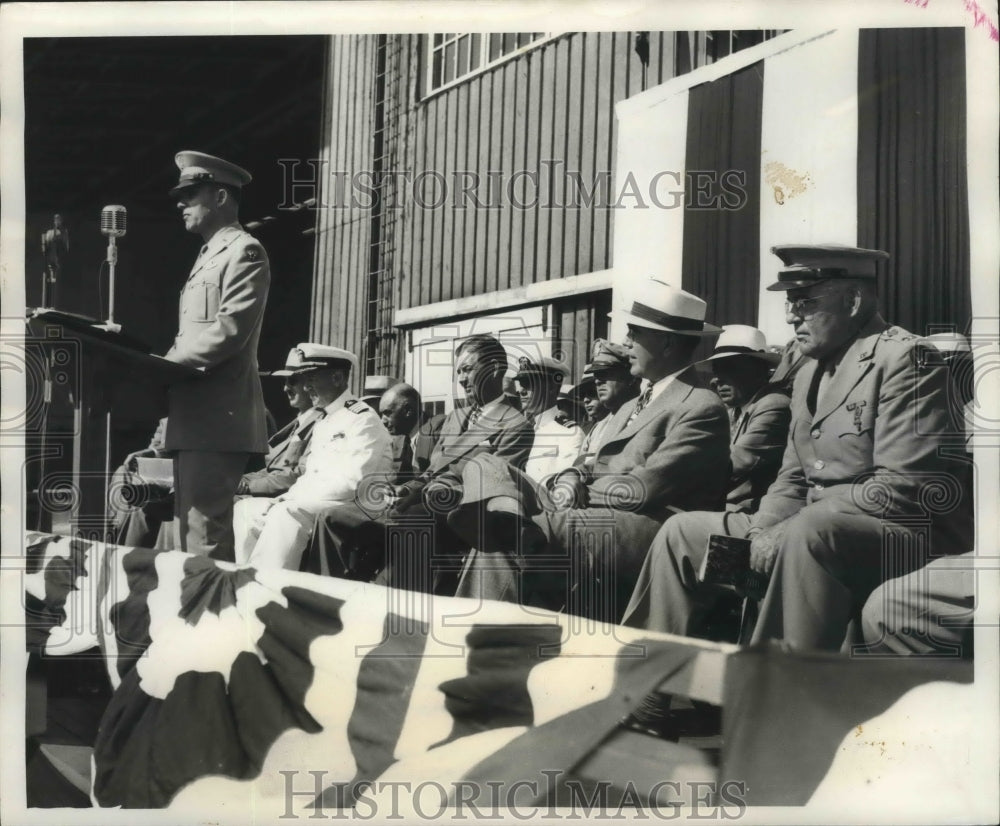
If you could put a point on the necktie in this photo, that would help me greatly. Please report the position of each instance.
(640, 403)
(473, 418)
(406, 456)
(734, 423)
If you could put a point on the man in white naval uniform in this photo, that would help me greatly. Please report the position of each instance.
(349, 444)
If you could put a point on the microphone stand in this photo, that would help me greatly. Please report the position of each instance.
(110, 326)
(112, 263)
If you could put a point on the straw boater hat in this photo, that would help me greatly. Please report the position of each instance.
(658, 306)
(743, 340)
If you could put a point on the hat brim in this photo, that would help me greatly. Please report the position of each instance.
(638, 321)
(769, 358)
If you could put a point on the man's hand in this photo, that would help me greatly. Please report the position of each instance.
(764, 548)
(242, 488)
(568, 490)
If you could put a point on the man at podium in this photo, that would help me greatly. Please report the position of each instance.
(216, 420)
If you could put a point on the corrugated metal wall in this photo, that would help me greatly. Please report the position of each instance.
(555, 104)
(342, 229)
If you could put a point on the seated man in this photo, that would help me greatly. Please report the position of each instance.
(667, 449)
(614, 385)
(413, 440)
(349, 444)
(758, 413)
(556, 443)
(354, 542)
(138, 509)
(864, 437)
(284, 463)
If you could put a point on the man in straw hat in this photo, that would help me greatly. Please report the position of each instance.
(580, 542)
(216, 421)
(868, 415)
(758, 412)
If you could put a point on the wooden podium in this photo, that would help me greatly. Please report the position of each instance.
(83, 370)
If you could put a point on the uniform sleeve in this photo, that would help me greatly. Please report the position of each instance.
(909, 431)
(786, 495)
(695, 453)
(241, 303)
(762, 444)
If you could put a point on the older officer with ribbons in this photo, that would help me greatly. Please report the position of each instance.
(869, 414)
(216, 421)
(349, 444)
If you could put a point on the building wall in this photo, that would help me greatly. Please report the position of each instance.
(548, 109)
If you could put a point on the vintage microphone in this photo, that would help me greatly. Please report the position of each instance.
(113, 220)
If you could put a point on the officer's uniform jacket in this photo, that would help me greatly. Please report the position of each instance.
(556, 445)
(873, 440)
(286, 459)
(221, 310)
(759, 437)
(501, 430)
(347, 445)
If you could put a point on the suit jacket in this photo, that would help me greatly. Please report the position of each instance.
(872, 444)
(220, 314)
(430, 432)
(501, 430)
(758, 443)
(286, 458)
(675, 453)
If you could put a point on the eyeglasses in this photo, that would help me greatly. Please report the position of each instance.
(805, 308)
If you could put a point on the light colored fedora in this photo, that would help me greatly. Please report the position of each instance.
(657, 305)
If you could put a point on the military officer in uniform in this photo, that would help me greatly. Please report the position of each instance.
(216, 421)
(285, 460)
(556, 443)
(614, 385)
(348, 444)
(581, 541)
(868, 415)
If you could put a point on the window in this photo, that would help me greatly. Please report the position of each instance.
(697, 49)
(454, 56)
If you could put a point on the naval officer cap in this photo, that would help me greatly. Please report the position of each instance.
(809, 265)
(199, 168)
(544, 366)
(319, 356)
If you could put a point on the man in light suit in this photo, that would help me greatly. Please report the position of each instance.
(359, 542)
(581, 541)
(849, 507)
(349, 444)
(216, 421)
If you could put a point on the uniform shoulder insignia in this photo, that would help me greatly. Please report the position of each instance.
(253, 251)
(569, 424)
(356, 406)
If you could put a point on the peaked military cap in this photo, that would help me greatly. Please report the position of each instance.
(544, 366)
(606, 355)
(316, 356)
(377, 385)
(809, 265)
(199, 168)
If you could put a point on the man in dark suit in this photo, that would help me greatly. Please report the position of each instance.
(413, 439)
(585, 536)
(850, 505)
(360, 542)
(216, 420)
